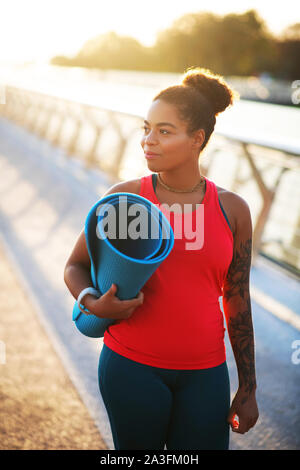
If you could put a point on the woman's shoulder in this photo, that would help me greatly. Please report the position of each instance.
(238, 201)
(127, 186)
(235, 206)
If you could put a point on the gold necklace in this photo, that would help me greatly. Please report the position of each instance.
(198, 185)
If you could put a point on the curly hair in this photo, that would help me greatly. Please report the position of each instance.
(200, 97)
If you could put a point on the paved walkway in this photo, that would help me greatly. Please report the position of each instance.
(40, 407)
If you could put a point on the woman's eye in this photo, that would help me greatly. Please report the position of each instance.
(162, 131)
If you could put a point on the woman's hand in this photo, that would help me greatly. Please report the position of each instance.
(110, 306)
(244, 407)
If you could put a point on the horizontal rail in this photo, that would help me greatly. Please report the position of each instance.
(282, 144)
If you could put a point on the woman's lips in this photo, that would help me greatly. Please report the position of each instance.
(151, 155)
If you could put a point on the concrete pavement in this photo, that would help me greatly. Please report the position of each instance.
(40, 407)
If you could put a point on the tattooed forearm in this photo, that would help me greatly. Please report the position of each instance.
(240, 331)
(237, 305)
(237, 281)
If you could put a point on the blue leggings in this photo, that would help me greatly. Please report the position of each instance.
(150, 407)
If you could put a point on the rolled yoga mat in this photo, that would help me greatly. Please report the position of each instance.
(137, 240)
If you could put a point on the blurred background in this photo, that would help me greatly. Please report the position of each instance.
(76, 80)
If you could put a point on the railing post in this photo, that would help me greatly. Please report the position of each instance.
(73, 143)
(90, 156)
(267, 194)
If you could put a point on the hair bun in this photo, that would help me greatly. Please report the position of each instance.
(212, 86)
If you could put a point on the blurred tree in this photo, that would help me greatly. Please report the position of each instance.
(189, 41)
(246, 46)
(288, 52)
(113, 51)
(233, 44)
(236, 44)
(292, 32)
(62, 60)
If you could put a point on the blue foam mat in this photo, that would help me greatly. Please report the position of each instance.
(127, 261)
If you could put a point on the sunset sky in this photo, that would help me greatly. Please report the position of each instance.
(36, 30)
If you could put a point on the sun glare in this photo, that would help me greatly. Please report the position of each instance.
(36, 31)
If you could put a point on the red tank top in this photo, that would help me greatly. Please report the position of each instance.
(180, 323)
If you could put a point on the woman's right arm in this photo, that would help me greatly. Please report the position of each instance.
(77, 275)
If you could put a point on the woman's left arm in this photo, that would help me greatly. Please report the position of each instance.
(237, 309)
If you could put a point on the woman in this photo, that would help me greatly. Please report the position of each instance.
(162, 371)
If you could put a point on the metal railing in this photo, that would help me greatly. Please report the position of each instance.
(104, 138)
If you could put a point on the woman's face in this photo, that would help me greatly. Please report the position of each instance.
(165, 142)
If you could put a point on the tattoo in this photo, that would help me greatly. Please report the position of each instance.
(240, 330)
(237, 282)
(240, 327)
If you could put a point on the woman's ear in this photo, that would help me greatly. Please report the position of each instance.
(199, 137)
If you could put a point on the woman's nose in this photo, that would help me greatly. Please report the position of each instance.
(150, 138)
